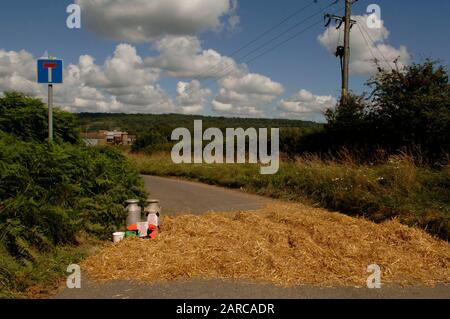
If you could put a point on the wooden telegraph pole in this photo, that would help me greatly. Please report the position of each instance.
(346, 59)
(343, 52)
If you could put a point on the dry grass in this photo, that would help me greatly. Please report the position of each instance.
(283, 244)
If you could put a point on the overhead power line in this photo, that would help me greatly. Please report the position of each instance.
(271, 41)
(263, 34)
(266, 32)
(376, 47)
(368, 44)
(286, 31)
(285, 41)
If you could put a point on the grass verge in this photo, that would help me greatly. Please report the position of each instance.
(416, 196)
(21, 279)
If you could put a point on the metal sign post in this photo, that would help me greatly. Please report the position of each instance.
(50, 113)
(50, 71)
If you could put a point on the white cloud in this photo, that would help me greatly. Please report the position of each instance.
(184, 57)
(128, 83)
(146, 20)
(147, 98)
(240, 93)
(306, 106)
(252, 84)
(235, 110)
(124, 69)
(246, 95)
(15, 72)
(364, 48)
(121, 84)
(191, 98)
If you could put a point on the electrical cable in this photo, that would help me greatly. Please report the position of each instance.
(376, 47)
(265, 33)
(277, 45)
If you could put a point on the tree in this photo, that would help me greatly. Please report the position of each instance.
(412, 107)
(350, 118)
(408, 109)
(152, 141)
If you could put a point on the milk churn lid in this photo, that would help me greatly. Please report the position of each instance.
(152, 201)
(132, 201)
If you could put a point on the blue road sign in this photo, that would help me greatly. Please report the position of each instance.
(50, 71)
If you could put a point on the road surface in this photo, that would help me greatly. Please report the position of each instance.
(216, 289)
(178, 197)
(187, 197)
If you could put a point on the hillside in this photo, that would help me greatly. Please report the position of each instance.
(138, 123)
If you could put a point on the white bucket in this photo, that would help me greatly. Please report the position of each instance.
(118, 237)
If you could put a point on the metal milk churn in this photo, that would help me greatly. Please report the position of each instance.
(134, 212)
(153, 212)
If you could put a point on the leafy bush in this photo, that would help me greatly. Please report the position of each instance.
(26, 117)
(49, 193)
(408, 109)
(52, 193)
(153, 141)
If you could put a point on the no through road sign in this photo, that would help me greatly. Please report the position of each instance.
(50, 71)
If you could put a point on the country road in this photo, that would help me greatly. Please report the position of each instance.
(179, 197)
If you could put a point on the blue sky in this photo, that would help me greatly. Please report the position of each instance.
(302, 64)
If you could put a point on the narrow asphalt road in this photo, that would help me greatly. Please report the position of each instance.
(179, 197)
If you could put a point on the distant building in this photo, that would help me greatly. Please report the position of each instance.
(108, 138)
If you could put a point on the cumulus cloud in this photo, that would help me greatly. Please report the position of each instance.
(236, 110)
(127, 82)
(364, 48)
(184, 57)
(246, 95)
(146, 20)
(305, 105)
(124, 69)
(15, 72)
(121, 84)
(252, 84)
(191, 97)
(241, 93)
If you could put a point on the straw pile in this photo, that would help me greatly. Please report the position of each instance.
(283, 244)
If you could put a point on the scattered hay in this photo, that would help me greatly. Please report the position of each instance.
(284, 244)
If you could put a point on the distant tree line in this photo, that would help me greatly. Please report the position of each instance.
(154, 131)
(406, 110)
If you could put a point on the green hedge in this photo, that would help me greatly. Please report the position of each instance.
(50, 195)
